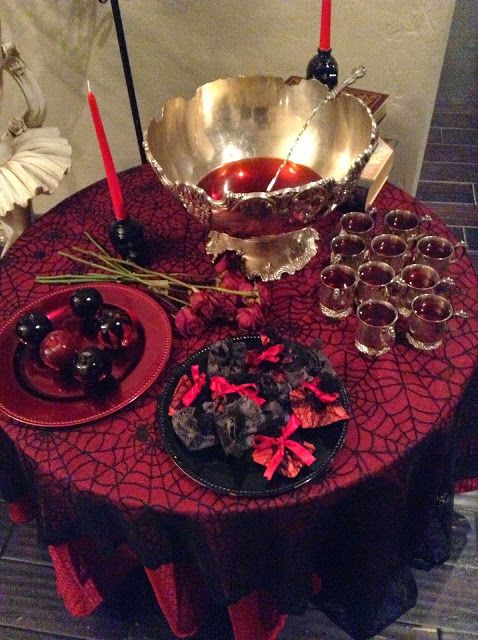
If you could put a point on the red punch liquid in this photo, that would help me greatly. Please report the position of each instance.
(432, 310)
(357, 222)
(420, 278)
(375, 276)
(376, 314)
(348, 246)
(389, 247)
(402, 220)
(254, 174)
(435, 248)
(338, 278)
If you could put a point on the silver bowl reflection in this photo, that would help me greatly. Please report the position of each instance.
(259, 117)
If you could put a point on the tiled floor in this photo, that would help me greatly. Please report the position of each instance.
(449, 177)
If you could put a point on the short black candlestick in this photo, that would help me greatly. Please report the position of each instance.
(323, 67)
(128, 239)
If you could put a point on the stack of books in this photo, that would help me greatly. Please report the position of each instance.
(375, 101)
(375, 174)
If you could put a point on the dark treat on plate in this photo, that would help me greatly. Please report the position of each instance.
(237, 424)
(249, 402)
(33, 327)
(329, 380)
(269, 387)
(116, 329)
(227, 358)
(300, 364)
(58, 348)
(91, 366)
(86, 303)
(194, 435)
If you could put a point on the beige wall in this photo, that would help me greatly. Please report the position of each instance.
(177, 45)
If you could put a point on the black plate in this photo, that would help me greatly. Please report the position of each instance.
(244, 477)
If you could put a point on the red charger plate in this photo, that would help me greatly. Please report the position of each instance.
(43, 401)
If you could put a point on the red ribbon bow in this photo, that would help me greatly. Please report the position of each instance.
(282, 443)
(270, 355)
(199, 380)
(323, 396)
(220, 387)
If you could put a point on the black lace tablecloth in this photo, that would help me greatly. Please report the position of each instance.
(386, 502)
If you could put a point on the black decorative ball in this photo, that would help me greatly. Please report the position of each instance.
(91, 366)
(33, 327)
(115, 330)
(86, 302)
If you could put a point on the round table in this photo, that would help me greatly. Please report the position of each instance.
(107, 494)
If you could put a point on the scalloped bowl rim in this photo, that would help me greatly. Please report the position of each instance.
(231, 197)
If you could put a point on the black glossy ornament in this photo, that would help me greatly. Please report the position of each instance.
(115, 330)
(91, 366)
(33, 327)
(127, 238)
(86, 303)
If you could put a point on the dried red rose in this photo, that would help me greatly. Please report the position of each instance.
(227, 308)
(204, 304)
(250, 318)
(229, 261)
(211, 306)
(236, 281)
(188, 323)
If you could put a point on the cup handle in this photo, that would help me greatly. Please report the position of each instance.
(421, 233)
(397, 287)
(388, 335)
(459, 245)
(335, 258)
(448, 284)
(462, 315)
(426, 218)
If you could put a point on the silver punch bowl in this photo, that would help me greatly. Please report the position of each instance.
(260, 117)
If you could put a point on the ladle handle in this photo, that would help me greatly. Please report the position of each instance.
(357, 73)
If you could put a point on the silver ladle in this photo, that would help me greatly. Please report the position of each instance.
(357, 73)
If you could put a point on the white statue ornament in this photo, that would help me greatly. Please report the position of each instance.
(33, 159)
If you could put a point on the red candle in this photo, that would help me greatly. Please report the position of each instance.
(111, 175)
(325, 25)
